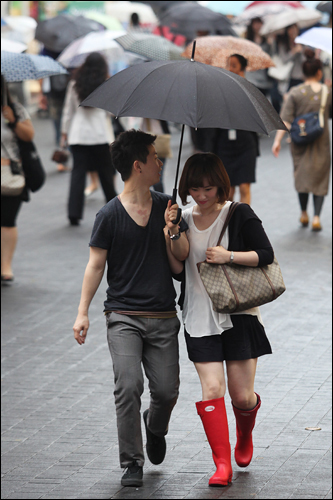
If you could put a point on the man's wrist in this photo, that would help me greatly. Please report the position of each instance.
(173, 231)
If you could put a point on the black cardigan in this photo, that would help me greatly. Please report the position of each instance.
(245, 233)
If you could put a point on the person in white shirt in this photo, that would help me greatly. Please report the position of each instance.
(89, 133)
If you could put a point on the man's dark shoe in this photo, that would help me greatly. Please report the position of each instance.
(133, 475)
(156, 446)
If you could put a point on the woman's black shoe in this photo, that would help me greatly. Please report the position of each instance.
(133, 475)
(156, 446)
(74, 221)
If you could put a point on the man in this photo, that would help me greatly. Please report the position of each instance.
(142, 325)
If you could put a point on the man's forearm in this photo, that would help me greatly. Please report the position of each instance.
(180, 248)
(91, 281)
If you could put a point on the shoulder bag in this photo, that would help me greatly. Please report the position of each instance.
(234, 288)
(12, 178)
(32, 166)
(308, 127)
(162, 143)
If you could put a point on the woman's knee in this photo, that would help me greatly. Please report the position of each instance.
(213, 390)
(243, 400)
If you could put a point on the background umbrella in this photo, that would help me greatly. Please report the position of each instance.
(11, 46)
(103, 41)
(160, 7)
(228, 8)
(263, 10)
(60, 31)
(19, 28)
(304, 18)
(215, 50)
(20, 67)
(319, 38)
(186, 92)
(325, 7)
(150, 46)
(188, 18)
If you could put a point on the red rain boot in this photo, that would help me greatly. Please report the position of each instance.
(214, 420)
(245, 420)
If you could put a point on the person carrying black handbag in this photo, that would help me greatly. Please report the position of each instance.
(15, 125)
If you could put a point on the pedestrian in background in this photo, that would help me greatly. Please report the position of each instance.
(260, 77)
(141, 318)
(288, 51)
(88, 131)
(15, 123)
(238, 149)
(212, 338)
(312, 161)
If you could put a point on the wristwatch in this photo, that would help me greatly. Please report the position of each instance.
(232, 257)
(174, 237)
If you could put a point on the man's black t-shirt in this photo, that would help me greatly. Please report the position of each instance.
(139, 276)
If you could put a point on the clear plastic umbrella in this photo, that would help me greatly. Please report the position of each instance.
(319, 38)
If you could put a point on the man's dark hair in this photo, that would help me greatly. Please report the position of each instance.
(129, 147)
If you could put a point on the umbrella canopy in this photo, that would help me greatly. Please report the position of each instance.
(263, 10)
(160, 7)
(20, 67)
(150, 46)
(11, 46)
(319, 38)
(187, 92)
(103, 41)
(60, 31)
(304, 18)
(215, 50)
(19, 28)
(293, 5)
(109, 22)
(325, 7)
(188, 18)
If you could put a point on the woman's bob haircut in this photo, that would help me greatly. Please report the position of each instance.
(202, 166)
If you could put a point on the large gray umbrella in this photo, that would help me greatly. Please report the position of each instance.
(188, 18)
(58, 32)
(187, 92)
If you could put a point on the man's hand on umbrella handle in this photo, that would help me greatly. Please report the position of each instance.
(80, 328)
(172, 216)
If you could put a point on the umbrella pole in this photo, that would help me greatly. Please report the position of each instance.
(174, 192)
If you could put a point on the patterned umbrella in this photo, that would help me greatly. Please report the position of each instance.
(19, 67)
(215, 50)
(150, 46)
(304, 18)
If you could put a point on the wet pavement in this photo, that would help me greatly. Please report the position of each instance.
(59, 436)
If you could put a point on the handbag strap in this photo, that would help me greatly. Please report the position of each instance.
(324, 94)
(232, 208)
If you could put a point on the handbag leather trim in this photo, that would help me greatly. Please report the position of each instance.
(270, 283)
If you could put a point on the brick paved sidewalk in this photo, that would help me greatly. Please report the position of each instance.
(59, 437)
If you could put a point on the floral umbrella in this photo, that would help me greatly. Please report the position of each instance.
(215, 50)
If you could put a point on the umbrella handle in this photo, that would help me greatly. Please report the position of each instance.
(179, 211)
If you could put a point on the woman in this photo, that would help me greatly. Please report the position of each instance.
(238, 149)
(213, 338)
(288, 51)
(312, 161)
(15, 123)
(89, 133)
(260, 77)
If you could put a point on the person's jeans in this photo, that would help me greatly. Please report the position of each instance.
(135, 341)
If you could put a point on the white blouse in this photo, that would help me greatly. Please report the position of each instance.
(199, 318)
(84, 125)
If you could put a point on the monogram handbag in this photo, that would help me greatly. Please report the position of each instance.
(308, 127)
(234, 288)
(60, 156)
(12, 178)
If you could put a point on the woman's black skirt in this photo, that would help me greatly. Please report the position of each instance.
(246, 340)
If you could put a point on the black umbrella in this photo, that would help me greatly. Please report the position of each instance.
(160, 7)
(188, 18)
(187, 92)
(58, 32)
(325, 7)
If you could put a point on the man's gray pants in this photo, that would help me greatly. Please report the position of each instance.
(135, 341)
